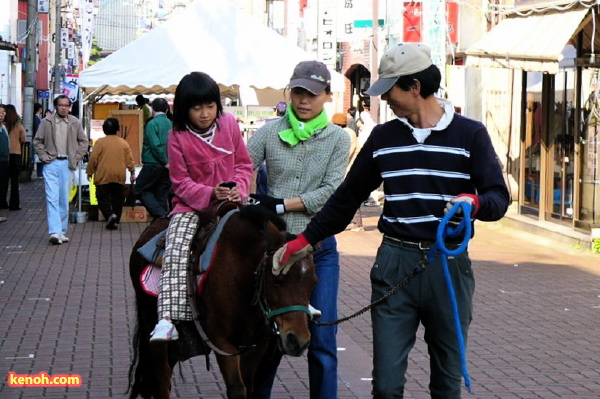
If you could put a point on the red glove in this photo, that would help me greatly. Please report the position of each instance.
(470, 198)
(290, 253)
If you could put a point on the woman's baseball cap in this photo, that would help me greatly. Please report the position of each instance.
(312, 76)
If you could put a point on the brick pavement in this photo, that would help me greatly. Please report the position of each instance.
(66, 309)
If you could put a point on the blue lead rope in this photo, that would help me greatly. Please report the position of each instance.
(445, 230)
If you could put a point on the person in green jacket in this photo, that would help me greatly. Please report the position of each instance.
(153, 184)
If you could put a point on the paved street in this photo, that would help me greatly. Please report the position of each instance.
(69, 310)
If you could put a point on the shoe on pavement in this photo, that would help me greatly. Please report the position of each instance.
(55, 239)
(112, 222)
(64, 238)
(3, 219)
(164, 331)
(314, 312)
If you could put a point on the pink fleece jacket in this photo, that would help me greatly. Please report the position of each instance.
(197, 166)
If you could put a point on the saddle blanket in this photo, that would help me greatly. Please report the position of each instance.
(154, 249)
(153, 252)
(150, 279)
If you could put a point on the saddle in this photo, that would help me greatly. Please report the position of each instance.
(153, 250)
(208, 220)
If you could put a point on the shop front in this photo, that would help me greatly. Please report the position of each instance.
(557, 171)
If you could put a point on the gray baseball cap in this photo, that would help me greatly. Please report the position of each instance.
(401, 60)
(312, 76)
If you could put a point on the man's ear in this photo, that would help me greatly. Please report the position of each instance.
(416, 86)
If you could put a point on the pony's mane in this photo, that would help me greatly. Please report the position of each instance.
(260, 216)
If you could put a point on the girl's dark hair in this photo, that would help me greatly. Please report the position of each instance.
(12, 118)
(429, 78)
(110, 127)
(194, 89)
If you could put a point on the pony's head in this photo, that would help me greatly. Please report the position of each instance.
(288, 296)
(284, 298)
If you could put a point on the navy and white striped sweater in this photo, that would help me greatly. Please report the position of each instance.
(418, 180)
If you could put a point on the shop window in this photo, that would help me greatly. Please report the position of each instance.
(589, 140)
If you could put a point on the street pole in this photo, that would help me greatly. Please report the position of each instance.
(434, 29)
(30, 66)
(57, 49)
(375, 60)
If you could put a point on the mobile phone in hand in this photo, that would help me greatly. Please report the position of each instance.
(228, 184)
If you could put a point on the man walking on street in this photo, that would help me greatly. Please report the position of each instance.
(153, 184)
(429, 159)
(61, 144)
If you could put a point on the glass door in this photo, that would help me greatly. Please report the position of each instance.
(562, 140)
(532, 144)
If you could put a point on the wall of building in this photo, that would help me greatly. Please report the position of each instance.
(8, 59)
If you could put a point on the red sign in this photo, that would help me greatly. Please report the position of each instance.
(413, 22)
(452, 21)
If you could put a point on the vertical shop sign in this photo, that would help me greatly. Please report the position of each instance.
(64, 37)
(326, 41)
(452, 21)
(71, 50)
(347, 12)
(43, 6)
(413, 22)
(87, 29)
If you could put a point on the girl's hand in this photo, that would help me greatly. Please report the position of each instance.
(234, 195)
(221, 193)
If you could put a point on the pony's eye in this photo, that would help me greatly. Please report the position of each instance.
(278, 281)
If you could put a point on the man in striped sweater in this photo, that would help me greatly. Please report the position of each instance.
(428, 159)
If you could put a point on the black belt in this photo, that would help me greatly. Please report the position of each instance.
(422, 245)
(62, 158)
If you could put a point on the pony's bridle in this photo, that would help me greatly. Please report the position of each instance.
(260, 297)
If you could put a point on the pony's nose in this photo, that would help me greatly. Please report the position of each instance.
(293, 346)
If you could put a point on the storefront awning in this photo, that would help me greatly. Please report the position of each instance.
(8, 46)
(531, 43)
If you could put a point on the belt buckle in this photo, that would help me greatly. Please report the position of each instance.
(423, 248)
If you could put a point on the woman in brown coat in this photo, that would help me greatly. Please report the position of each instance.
(111, 156)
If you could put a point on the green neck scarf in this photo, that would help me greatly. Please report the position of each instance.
(302, 131)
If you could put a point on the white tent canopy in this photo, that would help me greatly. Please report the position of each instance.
(211, 36)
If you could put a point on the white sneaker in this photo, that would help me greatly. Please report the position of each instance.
(164, 331)
(64, 238)
(55, 239)
(314, 312)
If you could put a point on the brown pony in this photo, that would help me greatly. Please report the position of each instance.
(244, 309)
